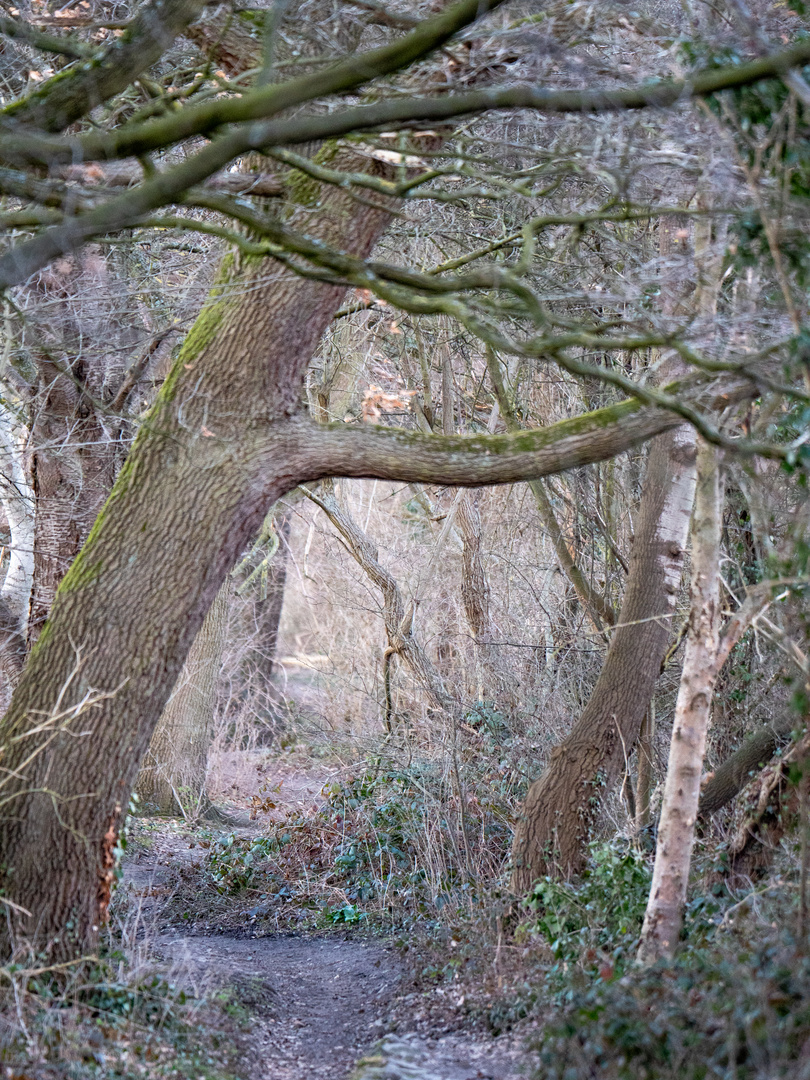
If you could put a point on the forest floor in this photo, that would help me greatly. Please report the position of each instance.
(327, 1004)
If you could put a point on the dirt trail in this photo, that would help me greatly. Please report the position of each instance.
(320, 1007)
(315, 1003)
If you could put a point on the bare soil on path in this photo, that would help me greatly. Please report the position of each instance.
(323, 1007)
(313, 1003)
(327, 1006)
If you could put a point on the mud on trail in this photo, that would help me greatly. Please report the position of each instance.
(329, 1006)
(324, 1007)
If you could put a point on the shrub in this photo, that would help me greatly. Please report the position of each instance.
(386, 841)
(707, 1015)
(596, 919)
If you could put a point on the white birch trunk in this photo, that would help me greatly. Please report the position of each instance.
(17, 499)
(676, 829)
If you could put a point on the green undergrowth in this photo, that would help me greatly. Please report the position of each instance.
(592, 925)
(101, 1019)
(392, 847)
(735, 1011)
(733, 1005)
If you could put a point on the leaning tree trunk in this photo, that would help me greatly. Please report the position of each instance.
(268, 604)
(556, 818)
(771, 805)
(172, 777)
(232, 41)
(676, 828)
(197, 484)
(729, 778)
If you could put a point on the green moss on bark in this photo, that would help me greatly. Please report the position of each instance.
(304, 190)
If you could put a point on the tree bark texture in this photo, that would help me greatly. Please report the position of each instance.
(645, 767)
(17, 500)
(191, 497)
(729, 779)
(676, 828)
(172, 777)
(475, 593)
(556, 818)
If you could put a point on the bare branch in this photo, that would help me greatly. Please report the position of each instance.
(37, 39)
(472, 461)
(60, 101)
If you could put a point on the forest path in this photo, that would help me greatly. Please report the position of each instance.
(318, 1007)
(313, 1004)
(322, 1006)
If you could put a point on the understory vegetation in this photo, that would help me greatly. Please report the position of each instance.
(114, 1017)
(383, 851)
(405, 539)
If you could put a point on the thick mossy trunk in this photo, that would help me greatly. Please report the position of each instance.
(197, 484)
(556, 818)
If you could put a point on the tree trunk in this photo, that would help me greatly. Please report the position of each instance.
(268, 605)
(556, 819)
(644, 780)
(772, 804)
(197, 484)
(17, 500)
(172, 778)
(73, 468)
(80, 337)
(475, 596)
(676, 828)
(736, 771)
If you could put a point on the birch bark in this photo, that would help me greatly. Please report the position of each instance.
(676, 829)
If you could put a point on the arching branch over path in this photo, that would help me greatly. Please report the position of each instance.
(280, 115)
(227, 437)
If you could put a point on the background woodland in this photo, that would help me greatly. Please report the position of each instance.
(414, 400)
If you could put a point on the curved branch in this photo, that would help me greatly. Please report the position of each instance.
(260, 133)
(472, 461)
(170, 186)
(70, 95)
(377, 453)
(339, 78)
